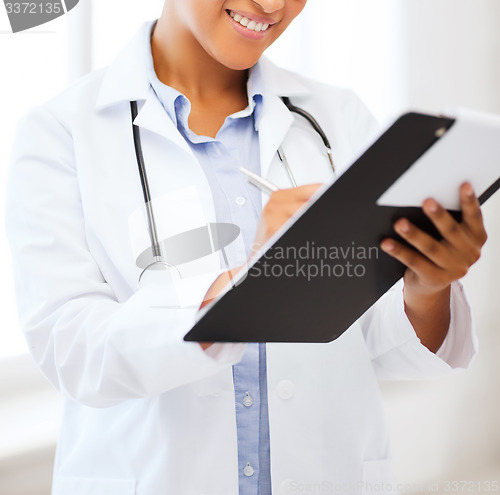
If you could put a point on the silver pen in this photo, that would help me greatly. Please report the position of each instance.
(260, 182)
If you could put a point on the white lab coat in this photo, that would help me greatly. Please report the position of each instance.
(146, 413)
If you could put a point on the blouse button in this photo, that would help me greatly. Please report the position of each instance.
(240, 200)
(248, 470)
(247, 400)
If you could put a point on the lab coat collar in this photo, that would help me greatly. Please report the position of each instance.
(127, 79)
(275, 118)
(280, 82)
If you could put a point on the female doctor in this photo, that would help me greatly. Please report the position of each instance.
(145, 412)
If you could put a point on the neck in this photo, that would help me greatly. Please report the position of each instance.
(182, 63)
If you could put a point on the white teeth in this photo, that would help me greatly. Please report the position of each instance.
(252, 25)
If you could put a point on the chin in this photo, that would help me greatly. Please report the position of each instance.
(240, 65)
(234, 56)
(238, 62)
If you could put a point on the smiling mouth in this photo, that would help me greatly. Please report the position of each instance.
(248, 23)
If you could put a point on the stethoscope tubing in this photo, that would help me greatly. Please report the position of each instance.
(153, 232)
(155, 245)
(315, 126)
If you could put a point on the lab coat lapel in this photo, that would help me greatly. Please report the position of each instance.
(121, 84)
(275, 120)
(153, 117)
(170, 161)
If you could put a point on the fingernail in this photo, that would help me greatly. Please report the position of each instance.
(388, 246)
(403, 226)
(431, 206)
(468, 190)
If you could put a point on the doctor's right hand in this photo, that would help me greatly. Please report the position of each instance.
(282, 205)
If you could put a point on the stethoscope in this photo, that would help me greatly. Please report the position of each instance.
(315, 126)
(158, 259)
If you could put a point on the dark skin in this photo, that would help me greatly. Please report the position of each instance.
(208, 109)
(433, 265)
(197, 50)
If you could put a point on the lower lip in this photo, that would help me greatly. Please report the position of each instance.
(247, 33)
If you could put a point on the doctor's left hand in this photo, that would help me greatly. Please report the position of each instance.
(433, 265)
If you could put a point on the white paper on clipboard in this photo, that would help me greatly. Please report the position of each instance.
(468, 151)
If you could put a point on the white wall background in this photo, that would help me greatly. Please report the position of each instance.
(360, 44)
(449, 429)
(397, 54)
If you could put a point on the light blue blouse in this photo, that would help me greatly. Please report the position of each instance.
(239, 203)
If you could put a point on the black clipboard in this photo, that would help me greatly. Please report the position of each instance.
(277, 304)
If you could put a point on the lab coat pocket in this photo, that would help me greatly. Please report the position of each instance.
(379, 477)
(93, 486)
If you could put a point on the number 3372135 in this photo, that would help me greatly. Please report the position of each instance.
(33, 8)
